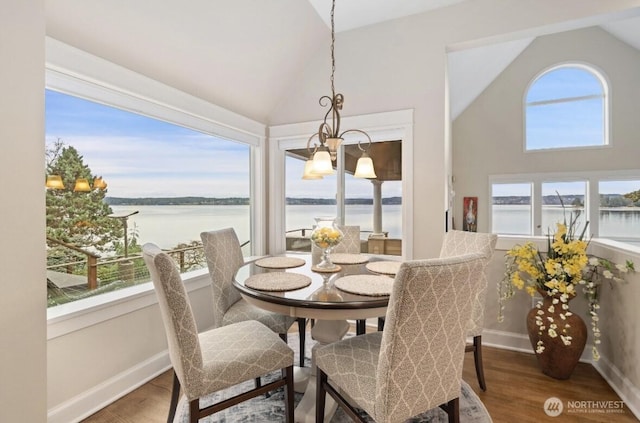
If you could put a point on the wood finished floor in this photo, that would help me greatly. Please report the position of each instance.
(516, 391)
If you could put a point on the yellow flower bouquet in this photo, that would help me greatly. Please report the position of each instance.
(558, 273)
(326, 237)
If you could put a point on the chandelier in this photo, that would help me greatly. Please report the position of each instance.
(320, 162)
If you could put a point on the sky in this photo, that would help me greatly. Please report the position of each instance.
(140, 156)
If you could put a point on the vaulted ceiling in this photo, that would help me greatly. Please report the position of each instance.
(244, 54)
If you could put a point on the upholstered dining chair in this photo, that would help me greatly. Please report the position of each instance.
(456, 243)
(218, 358)
(224, 258)
(350, 244)
(415, 363)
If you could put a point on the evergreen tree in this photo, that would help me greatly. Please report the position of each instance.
(78, 218)
(634, 196)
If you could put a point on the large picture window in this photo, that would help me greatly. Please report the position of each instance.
(147, 180)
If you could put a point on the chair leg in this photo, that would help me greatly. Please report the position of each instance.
(477, 358)
(361, 327)
(453, 410)
(288, 394)
(175, 395)
(321, 380)
(194, 411)
(302, 328)
(380, 324)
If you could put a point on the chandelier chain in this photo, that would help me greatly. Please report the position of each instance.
(333, 41)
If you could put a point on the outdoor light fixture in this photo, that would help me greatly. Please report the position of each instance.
(82, 185)
(54, 182)
(99, 183)
(329, 134)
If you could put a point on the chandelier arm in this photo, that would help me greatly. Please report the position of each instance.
(315, 146)
(324, 132)
(369, 142)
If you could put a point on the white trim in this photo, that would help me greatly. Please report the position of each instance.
(80, 314)
(94, 399)
(76, 72)
(380, 127)
(606, 101)
(257, 200)
(592, 197)
(629, 393)
(81, 74)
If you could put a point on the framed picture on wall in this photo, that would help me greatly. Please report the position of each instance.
(470, 214)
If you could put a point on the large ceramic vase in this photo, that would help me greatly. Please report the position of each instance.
(325, 236)
(557, 360)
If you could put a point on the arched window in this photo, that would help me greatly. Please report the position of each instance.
(565, 107)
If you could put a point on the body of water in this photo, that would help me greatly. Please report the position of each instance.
(168, 226)
(622, 224)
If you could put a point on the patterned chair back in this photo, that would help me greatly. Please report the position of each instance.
(350, 243)
(423, 342)
(224, 258)
(457, 243)
(177, 316)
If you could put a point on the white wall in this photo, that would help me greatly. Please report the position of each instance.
(23, 300)
(391, 66)
(401, 65)
(494, 123)
(119, 345)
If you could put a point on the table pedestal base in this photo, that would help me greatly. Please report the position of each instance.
(325, 332)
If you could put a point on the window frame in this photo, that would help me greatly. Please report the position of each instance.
(77, 73)
(606, 101)
(397, 125)
(592, 201)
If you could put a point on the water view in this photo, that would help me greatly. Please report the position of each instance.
(619, 223)
(168, 226)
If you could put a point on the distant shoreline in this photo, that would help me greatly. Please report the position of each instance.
(234, 201)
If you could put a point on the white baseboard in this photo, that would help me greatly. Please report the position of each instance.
(87, 403)
(83, 405)
(627, 392)
(506, 340)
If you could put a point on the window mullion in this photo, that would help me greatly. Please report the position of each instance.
(340, 203)
(536, 208)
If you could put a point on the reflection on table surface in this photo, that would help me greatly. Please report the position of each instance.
(321, 293)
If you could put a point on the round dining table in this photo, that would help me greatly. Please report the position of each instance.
(318, 299)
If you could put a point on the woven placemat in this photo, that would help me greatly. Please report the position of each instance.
(343, 258)
(280, 262)
(334, 269)
(372, 285)
(277, 281)
(384, 267)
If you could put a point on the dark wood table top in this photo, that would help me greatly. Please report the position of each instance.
(317, 300)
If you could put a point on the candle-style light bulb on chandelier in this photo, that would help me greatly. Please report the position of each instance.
(329, 135)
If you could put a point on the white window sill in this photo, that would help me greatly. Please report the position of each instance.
(77, 315)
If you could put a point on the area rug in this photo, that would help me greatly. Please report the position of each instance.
(262, 409)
